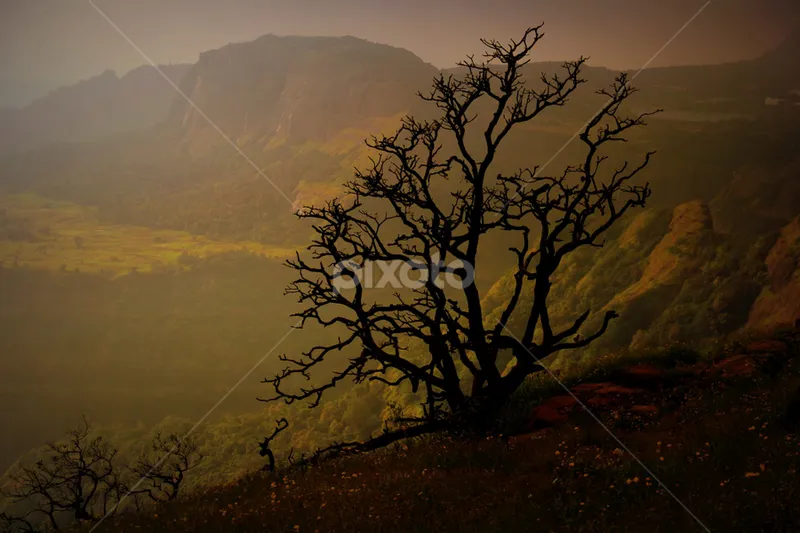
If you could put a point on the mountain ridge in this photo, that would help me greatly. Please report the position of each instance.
(304, 88)
(143, 99)
(92, 109)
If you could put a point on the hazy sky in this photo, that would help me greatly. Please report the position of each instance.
(47, 43)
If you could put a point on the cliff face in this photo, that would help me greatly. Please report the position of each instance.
(779, 301)
(297, 89)
(92, 109)
(674, 276)
(674, 258)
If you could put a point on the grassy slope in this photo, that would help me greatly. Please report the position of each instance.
(716, 444)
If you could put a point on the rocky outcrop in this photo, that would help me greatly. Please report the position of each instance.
(677, 282)
(644, 391)
(674, 258)
(296, 88)
(779, 302)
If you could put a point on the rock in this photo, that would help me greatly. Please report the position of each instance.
(741, 365)
(552, 412)
(645, 371)
(643, 374)
(546, 416)
(558, 402)
(586, 388)
(767, 346)
(603, 388)
(645, 409)
(612, 388)
(600, 401)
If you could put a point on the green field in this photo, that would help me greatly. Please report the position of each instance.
(54, 235)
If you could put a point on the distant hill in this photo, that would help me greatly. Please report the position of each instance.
(300, 107)
(296, 88)
(91, 109)
(314, 88)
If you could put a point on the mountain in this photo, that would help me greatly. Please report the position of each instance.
(92, 109)
(296, 88)
(298, 107)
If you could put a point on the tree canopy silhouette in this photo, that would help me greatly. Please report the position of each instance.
(79, 479)
(433, 194)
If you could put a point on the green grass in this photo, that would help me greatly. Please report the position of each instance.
(43, 234)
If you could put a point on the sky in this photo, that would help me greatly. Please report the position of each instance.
(48, 43)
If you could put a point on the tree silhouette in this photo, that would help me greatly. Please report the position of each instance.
(431, 195)
(265, 450)
(164, 468)
(78, 480)
(75, 481)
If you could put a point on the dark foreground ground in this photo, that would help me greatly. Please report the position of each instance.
(720, 434)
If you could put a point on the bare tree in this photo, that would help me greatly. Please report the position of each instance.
(433, 194)
(265, 450)
(75, 481)
(164, 468)
(16, 524)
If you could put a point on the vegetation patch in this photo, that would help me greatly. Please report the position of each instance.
(55, 235)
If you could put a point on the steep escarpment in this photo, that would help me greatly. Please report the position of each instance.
(779, 300)
(697, 283)
(674, 258)
(296, 88)
(691, 272)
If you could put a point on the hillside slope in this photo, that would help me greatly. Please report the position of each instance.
(685, 273)
(711, 436)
